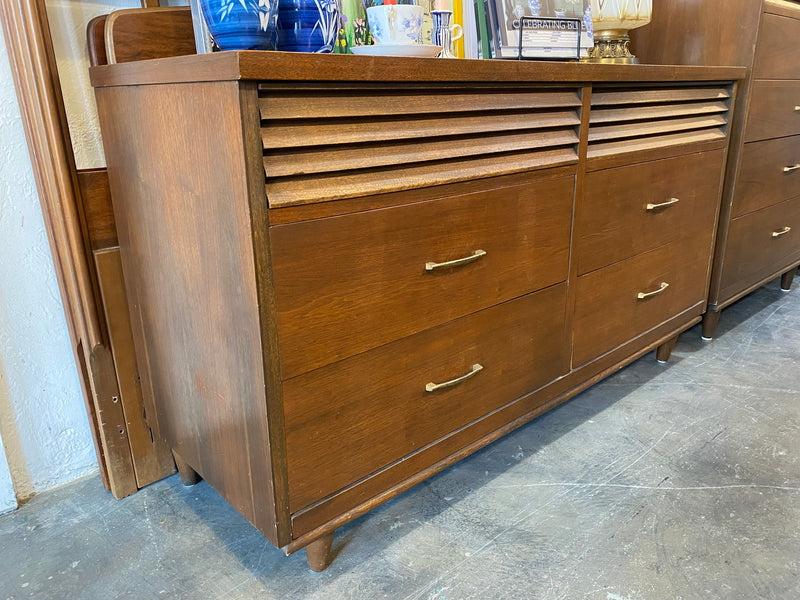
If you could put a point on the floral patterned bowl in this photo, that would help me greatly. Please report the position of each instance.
(241, 24)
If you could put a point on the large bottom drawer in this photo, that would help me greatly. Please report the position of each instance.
(760, 244)
(619, 302)
(347, 420)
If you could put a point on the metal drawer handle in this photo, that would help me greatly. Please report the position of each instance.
(432, 387)
(783, 231)
(793, 168)
(669, 202)
(430, 266)
(643, 295)
(797, 108)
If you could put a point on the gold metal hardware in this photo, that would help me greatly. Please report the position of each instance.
(430, 266)
(643, 295)
(797, 108)
(669, 202)
(783, 231)
(793, 168)
(432, 387)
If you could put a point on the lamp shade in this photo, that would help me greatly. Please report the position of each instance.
(621, 14)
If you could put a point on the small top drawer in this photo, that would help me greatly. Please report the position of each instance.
(632, 209)
(774, 110)
(769, 173)
(777, 52)
(347, 284)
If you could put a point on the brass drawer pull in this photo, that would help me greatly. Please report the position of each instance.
(783, 231)
(669, 202)
(430, 266)
(643, 295)
(793, 168)
(797, 109)
(432, 387)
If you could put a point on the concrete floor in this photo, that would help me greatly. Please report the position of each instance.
(676, 481)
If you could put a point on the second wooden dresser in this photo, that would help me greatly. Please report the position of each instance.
(759, 232)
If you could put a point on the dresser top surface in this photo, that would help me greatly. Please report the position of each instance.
(285, 66)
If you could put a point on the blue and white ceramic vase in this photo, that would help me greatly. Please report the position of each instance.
(241, 24)
(307, 25)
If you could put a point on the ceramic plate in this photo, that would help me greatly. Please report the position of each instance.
(421, 50)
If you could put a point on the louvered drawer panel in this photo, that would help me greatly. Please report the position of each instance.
(353, 140)
(633, 118)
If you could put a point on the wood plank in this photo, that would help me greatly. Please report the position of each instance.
(147, 33)
(298, 66)
(325, 188)
(111, 421)
(327, 160)
(654, 112)
(307, 212)
(152, 459)
(279, 134)
(96, 41)
(608, 149)
(97, 209)
(602, 97)
(398, 102)
(600, 133)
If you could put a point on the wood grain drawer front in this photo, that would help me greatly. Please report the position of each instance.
(351, 283)
(349, 419)
(609, 311)
(632, 209)
(759, 244)
(769, 173)
(777, 52)
(774, 110)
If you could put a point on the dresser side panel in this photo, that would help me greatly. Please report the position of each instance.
(177, 170)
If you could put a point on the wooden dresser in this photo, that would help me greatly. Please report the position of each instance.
(759, 232)
(346, 273)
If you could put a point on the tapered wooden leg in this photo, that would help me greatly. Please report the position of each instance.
(664, 350)
(786, 280)
(710, 322)
(188, 475)
(318, 552)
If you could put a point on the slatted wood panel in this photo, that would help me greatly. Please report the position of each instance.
(635, 118)
(352, 139)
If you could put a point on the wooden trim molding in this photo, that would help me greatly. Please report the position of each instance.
(30, 50)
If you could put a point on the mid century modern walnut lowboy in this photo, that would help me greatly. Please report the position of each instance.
(346, 273)
(759, 231)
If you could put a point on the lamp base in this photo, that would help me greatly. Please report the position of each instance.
(612, 46)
